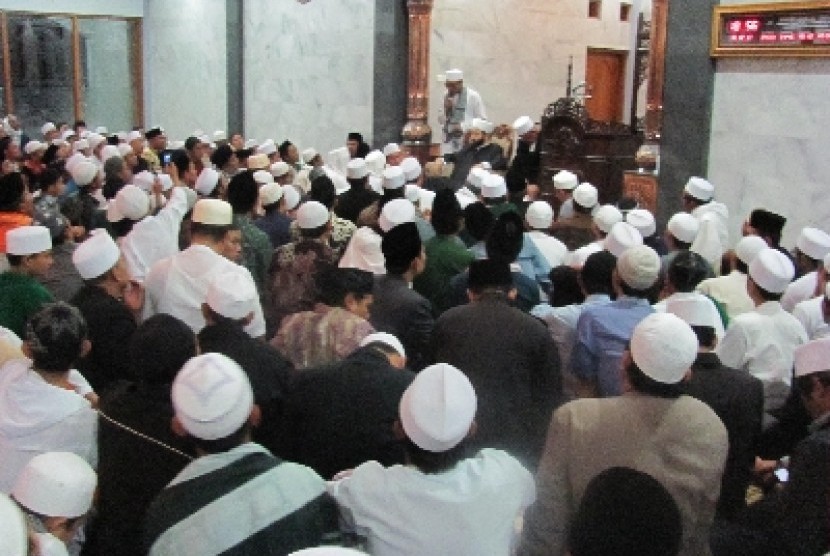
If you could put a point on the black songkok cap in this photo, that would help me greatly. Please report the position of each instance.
(401, 245)
(155, 132)
(766, 222)
(488, 273)
(354, 136)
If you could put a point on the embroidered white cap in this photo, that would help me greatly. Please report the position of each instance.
(683, 226)
(699, 188)
(384, 338)
(232, 295)
(564, 179)
(453, 75)
(56, 484)
(48, 127)
(391, 148)
(539, 215)
(643, 220)
(291, 195)
(522, 125)
(585, 195)
(263, 176)
(207, 181)
(606, 216)
(623, 236)
(270, 193)
(95, 139)
(83, 172)
(28, 240)
(814, 243)
(96, 255)
(357, 169)
(213, 212)
(134, 135)
(494, 187)
(395, 212)
(267, 148)
(393, 178)
(748, 248)
(312, 214)
(279, 168)
(695, 310)
(130, 202)
(411, 168)
(812, 357)
(34, 146)
(664, 347)
(771, 270)
(376, 162)
(639, 267)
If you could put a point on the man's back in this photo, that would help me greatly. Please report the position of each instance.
(729, 291)
(403, 312)
(574, 231)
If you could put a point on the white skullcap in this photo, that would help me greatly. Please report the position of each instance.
(376, 161)
(564, 179)
(73, 160)
(494, 187)
(56, 484)
(124, 149)
(110, 151)
(606, 216)
(270, 193)
(207, 181)
(814, 243)
(279, 169)
(291, 195)
(96, 255)
(328, 551)
(102, 130)
(454, 75)
(477, 176)
(376, 183)
(522, 125)
(411, 168)
(166, 182)
(67, 134)
(80, 144)
(700, 189)
(539, 215)
(34, 146)
(308, 155)
(391, 148)
(84, 172)
(623, 236)
(130, 202)
(465, 197)
(395, 212)
(47, 127)
(212, 396)
(267, 148)
(144, 180)
(258, 162)
(341, 184)
(28, 240)
(134, 135)
(489, 127)
(356, 169)
(213, 212)
(695, 310)
(219, 135)
(412, 193)
(312, 214)
(812, 357)
(683, 226)
(643, 220)
(232, 295)
(479, 124)
(393, 178)
(95, 139)
(438, 408)
(664, 347)
(59, 142)
(772, 270)
(263, 176)
(639, 267)
(427, 199)
(384, 338)
(748, 248)
(14, 534)
(585, 195)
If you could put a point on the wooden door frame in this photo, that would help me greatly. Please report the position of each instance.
(621, 53)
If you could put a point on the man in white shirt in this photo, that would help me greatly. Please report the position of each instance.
(178, 285)
(812, 247)
(461, 106)
(564, 183)
(814, 313)
(539, 217)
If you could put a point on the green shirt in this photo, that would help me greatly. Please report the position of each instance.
(501, 208)
(256, 250)
(446, 257)
(21, 296)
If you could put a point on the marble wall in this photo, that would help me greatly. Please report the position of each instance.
(515, 52)
(309, 71)
(768, 144)
(185, 70)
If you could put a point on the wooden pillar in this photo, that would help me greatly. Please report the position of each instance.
(417, 135)
(656, 71)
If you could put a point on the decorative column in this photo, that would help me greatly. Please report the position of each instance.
(656, 71)
(417, 135)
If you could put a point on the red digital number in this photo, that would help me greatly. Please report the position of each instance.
(753, 25)
(736, 26)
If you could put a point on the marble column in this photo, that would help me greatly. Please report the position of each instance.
(417, 135)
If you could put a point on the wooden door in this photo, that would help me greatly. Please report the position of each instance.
(605, 79)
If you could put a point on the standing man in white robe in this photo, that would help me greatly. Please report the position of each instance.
(461, 105)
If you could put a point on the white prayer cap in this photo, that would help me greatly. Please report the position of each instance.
(96, 255)
(219, 135)
(376, 161)
(250, 143)
(438, 408)
(384, 338)
(292, 196)
(699, 188)
(465, 197)
(28, 240)
(110, 151)
(639, 267)
(341, 184)
(258, 162)
(454, 75)
(166, 182)
(14, 535)
(279, 169)
(585, 195)
(102, 130)
(73, 160)
(664, 347)
(130, 202)
(122, 136)
(812, 357)
(477, 176)
(748, 248)
(80, 145)
(395, 212)
(683, 226)
(564, 179)
(134, 135)
(479, 124)
(391, 148)
(213, 212)
(56, 484)
(263, 176)
(814, 243)
(376, 183)
(695, 310)
(393, 178)
(124, 149)
(427, 199)
(772, 270)
(623, 236)
(522, 125)
(643, 220)
(494, 187)
(308, 155)
(58, 142)
(411, 168)
(84, 172)
(328, 551)
(356, 169)
(267, 148)
(94, 139)
(47, 128)
(606, 216)
(489, 127)
(67, 134)
(207, 180)
(232, 295)
(539, 215)
(270, 193)
(312, 214)
(412, 193)
(34, 146)
(144, 180)
(212, 396)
